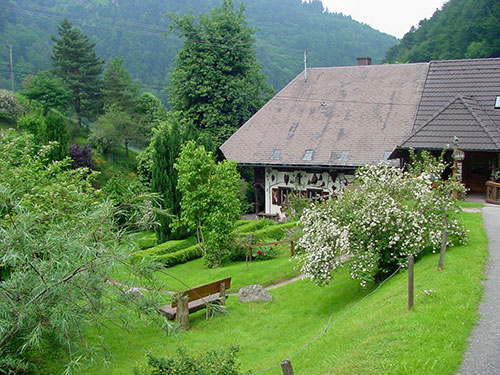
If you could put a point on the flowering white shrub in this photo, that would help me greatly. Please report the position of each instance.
(388, 216)
(10, 109)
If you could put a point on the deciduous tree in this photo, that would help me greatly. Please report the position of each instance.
(49, 91)
(210, 199)
(217, 82)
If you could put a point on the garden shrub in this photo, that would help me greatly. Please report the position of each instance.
(391, 215)
(240, 223)
(180, 256)
(168, 247)
(275, 232)
(252, 225)
(81, 156)
(268, 251)
(210, 362)
(147, 242)
(10, 109)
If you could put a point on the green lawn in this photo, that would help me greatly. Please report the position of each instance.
(380, 336)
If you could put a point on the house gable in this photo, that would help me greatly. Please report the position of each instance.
(462, 118)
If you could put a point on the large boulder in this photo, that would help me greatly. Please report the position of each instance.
(252, 293)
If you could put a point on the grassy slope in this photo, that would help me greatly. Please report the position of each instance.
(380, 336)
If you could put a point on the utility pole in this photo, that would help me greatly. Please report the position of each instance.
(305, 65)
(11, 67)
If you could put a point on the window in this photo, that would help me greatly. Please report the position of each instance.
(497, 103)
(280, 195)
(339, 156)
(276, 155)
(314, 194)
(308, 155)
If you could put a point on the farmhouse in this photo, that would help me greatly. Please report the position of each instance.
(328, 121)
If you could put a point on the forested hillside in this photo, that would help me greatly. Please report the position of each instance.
(134, 29)
(461, 29)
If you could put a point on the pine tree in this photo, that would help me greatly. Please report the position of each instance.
(217, 83)
(118, 86)
(76, 62)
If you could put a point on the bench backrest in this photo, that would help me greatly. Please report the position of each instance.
(205, 290)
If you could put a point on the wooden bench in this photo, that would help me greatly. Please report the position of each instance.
(198, 298)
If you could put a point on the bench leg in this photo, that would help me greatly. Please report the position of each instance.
(182, 314)
(222, 293)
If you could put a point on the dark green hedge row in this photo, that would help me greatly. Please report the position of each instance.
(168, 247)
(252, 225)
(147, 242)
(276, 232)
(179, 257)
(176, 252)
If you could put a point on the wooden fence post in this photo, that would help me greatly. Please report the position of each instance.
(444, 243)
(291, 249)
(411, 264)
(182, 313)
(286, 367)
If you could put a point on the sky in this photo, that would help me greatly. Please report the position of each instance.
(394, 17)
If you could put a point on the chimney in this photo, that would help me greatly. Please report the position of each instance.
(364, 61)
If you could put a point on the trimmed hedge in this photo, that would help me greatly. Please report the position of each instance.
(179, 257)
(147, 242)
(176, 252)
(168, 247)
(252, 226)
(239, 223)
(276, 232)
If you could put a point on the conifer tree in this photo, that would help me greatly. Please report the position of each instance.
(166, 144)
(76, 62)
(55, 130)
(118, 86)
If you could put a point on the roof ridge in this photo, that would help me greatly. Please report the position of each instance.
(478, 118)
(438, 112)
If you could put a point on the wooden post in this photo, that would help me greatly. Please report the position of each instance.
(222, 293)
(444, 242)
(286, 367)
(411, 264)
(291, 249)
(182, 314)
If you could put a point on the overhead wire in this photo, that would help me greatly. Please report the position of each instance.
(79, 18)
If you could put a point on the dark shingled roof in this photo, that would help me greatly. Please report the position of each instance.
(342, 116)
(459, 100)
(462, 118)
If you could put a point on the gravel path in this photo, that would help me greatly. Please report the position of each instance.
(483, 354)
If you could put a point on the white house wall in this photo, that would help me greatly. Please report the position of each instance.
(308, 180)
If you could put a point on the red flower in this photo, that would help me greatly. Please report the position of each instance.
(271, 248)
(259, 252)
(275, 244)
